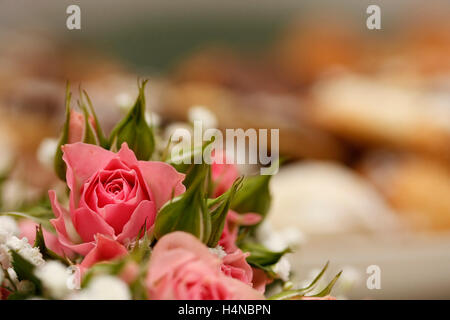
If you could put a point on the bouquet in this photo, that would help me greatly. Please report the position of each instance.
(138, 220)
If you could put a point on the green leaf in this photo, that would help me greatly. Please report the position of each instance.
(59, 164)
(39, 242)
(89, 136)
(187, 212)
(185, 163)
(134, 130)
(299, 293)
(25, 269)
(260, 255)
(327, 290)
(253, 196)
(219, 214)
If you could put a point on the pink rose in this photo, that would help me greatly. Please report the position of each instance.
(235, 266)
(181, 267)
(230, 231)
(28, 229)
(111, 194)
(260, 280)
(105, 249)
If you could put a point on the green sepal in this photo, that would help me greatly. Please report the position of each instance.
(39, 243)
(219, 213)
(187, 212)
(261, 257)
(25, 270)
(134, 130)
(299, 293)
(103, 142)
(58, 162)
(253, 196)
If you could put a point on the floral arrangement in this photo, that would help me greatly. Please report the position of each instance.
(135, 223)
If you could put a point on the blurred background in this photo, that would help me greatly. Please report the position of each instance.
(364, 115)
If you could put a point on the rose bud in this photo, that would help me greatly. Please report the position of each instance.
(78, 127)
(134, 130)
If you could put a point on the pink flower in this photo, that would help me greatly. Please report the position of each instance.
(111, 194)
(77, 126)
(28, 229)
(260, 280)
(235, 266)
(230, 231)
(181, 267)
(223, 174)
(105, 249)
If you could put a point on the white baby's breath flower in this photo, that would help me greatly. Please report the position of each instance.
(12, 275)
(8, 227)
(5, 256)
(283, 268)
(278, 241)
(73, 281)
(54, 276)
(200, 113)
(218, 251)
(104, 287)
(46, 152)
(22, 247)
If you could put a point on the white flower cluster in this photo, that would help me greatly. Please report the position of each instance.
(278, 241)
(9, 240)
(103, 287)
(55, 278)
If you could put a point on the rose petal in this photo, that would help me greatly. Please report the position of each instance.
(83, 160)
(260, 280)
(127, 155)
(163, 180)
(62, 223)
(88, 224)
(145, 213)
(105, 249)
(244, 219)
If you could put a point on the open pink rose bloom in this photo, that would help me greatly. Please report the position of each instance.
(112, 194)
(181, 267)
